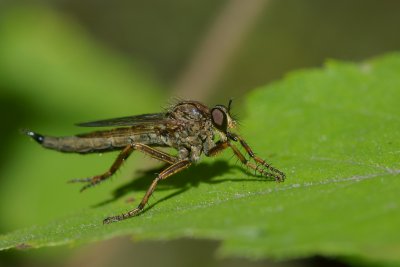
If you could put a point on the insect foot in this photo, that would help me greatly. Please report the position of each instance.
(123, 216)
(90, 182)
(280, 177)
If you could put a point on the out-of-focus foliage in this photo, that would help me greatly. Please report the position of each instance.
(53, 75)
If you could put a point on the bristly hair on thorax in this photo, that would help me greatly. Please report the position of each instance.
(173, 101)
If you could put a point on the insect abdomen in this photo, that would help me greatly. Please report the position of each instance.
(78, 144)
(89, 144)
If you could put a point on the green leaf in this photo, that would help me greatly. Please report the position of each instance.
(333, 131)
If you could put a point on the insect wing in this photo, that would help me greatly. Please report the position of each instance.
(127, 121)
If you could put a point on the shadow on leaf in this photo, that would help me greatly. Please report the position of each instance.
(192, 177)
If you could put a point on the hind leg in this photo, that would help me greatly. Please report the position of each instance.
(125, 153)
(174, 168)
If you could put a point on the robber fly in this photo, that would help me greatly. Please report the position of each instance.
(190, 127)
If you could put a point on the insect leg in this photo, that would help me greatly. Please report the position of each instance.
(125, 153)
(259, 160)
(219, 147)
(155, 153)
(176, 167)
(243, 159)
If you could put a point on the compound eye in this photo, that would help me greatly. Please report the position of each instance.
(219, 119)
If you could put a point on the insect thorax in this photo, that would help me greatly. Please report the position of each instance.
(193, 131)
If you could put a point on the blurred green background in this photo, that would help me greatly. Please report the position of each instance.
(63, 62)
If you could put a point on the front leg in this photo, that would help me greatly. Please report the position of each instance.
(222, 145)
(259, 160)
(218, 148)
(262, 171)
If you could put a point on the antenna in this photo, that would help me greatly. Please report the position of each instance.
(230, 104)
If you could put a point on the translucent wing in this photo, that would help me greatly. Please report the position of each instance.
(127, 121)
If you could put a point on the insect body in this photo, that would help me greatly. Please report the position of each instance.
(189, 127)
